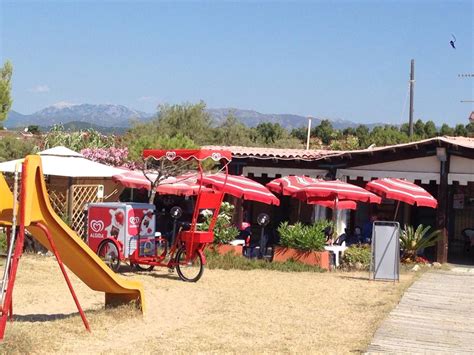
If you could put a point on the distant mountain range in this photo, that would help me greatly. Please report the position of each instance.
(117, 118)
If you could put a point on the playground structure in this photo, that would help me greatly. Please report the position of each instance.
(126, 232)
(34, 213)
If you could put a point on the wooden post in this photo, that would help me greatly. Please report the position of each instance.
(442, 213)
(70, 202)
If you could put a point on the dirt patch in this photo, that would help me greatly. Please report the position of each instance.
(226, 311)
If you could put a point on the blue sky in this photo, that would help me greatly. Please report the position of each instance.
(345, 59)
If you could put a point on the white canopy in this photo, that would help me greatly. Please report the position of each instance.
(61, 161)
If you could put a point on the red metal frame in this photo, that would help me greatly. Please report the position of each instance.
(193, 240)
(6, 309)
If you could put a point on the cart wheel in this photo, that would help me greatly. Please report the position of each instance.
(144, 267)
(109, 254)
(192, 271)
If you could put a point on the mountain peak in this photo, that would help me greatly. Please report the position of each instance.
(63, 104)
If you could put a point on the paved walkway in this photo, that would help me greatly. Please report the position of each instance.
(435, 315)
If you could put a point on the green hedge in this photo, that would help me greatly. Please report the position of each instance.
(303, 237)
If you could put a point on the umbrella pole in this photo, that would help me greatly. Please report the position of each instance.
(396, 210)
(299, 209)
(334, 215)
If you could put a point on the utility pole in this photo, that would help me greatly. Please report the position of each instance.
(309, 132)
(412, 91)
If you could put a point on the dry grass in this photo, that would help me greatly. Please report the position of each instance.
(226, 311)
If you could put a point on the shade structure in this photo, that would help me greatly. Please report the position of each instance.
(341, 205)
(336, 189)
(402, 190)
(134, 179)
(289, 185)
(241, 187)
(61, 161)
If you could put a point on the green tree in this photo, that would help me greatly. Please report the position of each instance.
(419, 129)
(325, 131)
(233, 132)
(12, 148)
(363, 135)
(460, 130)
(446, 130)
(191, 120)
(5, 89)
(299, 133)
(270, 133)
(470, 129)
(430, 129)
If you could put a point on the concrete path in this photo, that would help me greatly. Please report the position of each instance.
(435, 315)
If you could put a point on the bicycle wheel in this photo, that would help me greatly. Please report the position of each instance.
(109, 254)
(144, 267)
(189, 271)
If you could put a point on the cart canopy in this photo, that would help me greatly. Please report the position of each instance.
(188, 154)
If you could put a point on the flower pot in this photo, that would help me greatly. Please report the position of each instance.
(315, 258)
(223, 249)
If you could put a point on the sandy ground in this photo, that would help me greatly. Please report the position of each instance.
(226, 311)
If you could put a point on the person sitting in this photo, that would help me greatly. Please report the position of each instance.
(355, 238)
(367, 230)
(329, 234)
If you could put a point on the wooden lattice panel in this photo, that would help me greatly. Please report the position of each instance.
(82, 195)
(58, 202)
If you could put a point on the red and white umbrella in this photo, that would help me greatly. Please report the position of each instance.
(336, 190)
(134, 179)
(184, 185)
(241, 187)
(402, 190)
(289, 185)
(341, 205)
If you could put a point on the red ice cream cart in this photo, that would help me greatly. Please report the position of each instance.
(126, 231)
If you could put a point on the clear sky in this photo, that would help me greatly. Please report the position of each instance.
(344, 59)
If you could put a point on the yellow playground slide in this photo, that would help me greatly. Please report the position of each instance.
(75, 254)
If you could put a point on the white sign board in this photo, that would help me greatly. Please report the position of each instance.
(385, 263)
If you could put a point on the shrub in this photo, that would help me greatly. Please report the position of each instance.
(303, 237)
(3, 242)
(357, 255)
(412, 240)
(224, 231)
(231, 261)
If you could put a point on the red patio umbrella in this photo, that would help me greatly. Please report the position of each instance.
(402, 190)
(341, 205)
(336, 190)
(288, 185)
(241, 187)
(184, 185)
(134, 179)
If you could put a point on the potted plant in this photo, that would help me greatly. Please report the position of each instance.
(303, 243)
(413, 240)
(224, 230)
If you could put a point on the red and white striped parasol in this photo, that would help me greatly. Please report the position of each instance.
(336, 190)
(289, 185)
(241, 187)
(134, 179)
(402, 190)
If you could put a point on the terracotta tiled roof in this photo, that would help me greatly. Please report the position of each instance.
(302, 154)
(271, 153)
